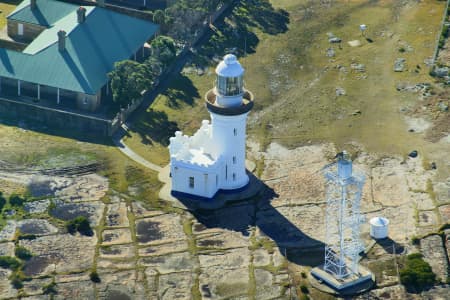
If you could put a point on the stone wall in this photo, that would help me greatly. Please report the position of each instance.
(57, 119)
(30, 31)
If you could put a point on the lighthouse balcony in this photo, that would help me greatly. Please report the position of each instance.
(213, 106)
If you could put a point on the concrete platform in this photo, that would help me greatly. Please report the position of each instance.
(222, 198)
(353, 284)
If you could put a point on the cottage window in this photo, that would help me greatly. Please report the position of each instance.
(20, 29)
(234, 176)
(191, 182)
(235, 132)
(234, 159)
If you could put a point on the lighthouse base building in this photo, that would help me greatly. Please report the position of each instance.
(213, 158)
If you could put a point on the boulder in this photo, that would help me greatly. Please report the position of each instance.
(399, 64)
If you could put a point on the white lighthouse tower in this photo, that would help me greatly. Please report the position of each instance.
(214, 157)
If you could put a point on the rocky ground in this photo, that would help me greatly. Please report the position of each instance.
(254, 249)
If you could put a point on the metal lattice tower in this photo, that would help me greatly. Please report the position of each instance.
(343, 219)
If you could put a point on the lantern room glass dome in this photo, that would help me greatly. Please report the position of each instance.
(230, 76)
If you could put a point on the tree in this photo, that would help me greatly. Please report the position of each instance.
(163, 49)
(417, 273)
(128, 80)
(16, 200)
(159, 17)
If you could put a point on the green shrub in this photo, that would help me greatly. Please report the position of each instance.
(303, 274)
(415, 240)
(304, 289)
(94, 277)
(49, 289)
(16, 200)
(26, 236)
(80, 224)
(16, 280)
(8, 262)
(2, 201)
(23, 253)
(416, 274)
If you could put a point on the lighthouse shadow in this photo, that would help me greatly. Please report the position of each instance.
(258, 212)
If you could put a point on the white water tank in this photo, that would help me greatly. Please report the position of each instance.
(379, 227)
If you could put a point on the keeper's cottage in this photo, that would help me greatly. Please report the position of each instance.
(213, 158)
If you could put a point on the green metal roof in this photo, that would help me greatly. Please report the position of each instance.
(46, 13)
(92, 48)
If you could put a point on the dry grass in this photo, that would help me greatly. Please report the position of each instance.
(6, 7)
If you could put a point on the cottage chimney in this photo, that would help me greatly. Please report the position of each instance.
(81, 13)
(33, 4)
(61, 40)
(101, 3)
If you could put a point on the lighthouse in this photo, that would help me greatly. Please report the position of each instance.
(213, 158)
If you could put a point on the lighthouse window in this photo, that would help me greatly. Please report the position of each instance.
(229, 86)
(191, 182)
(234, 176)
(234, 159)
(235, 132)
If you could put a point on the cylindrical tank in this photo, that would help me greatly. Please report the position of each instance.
(379, 227)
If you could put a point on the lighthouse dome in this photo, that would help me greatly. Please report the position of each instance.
(229, 67)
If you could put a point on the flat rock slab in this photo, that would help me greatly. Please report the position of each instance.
(217, 283)
(126, 285)
(238, 217)
(116, 215)
(140, 211)
(164, 249)
(427, 218)
(6, 289)
(36, 227)
(434, 253)
(296, 226)
(444, 211)
(60, 253)
(170, 263)
(68, 211)
(175, 286)
(117, 251)
(116, 236)
(36, 207)
(75, 290)
(90, 187)
(34, 287)
(224, 260)
(8, 231)
(7, 249)
(223, 240)
(265, 289)
(261, 258)
(160, 229)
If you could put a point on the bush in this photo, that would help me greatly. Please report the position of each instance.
(49, 289)
(26, 236)
(94, 277)
(16, 200)
(8, 262)
(304, 289)
(416, 274)
(415, 240)
(23, 253)
(16, 280)
(80, 224)
(2, 201)
(303, 274)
